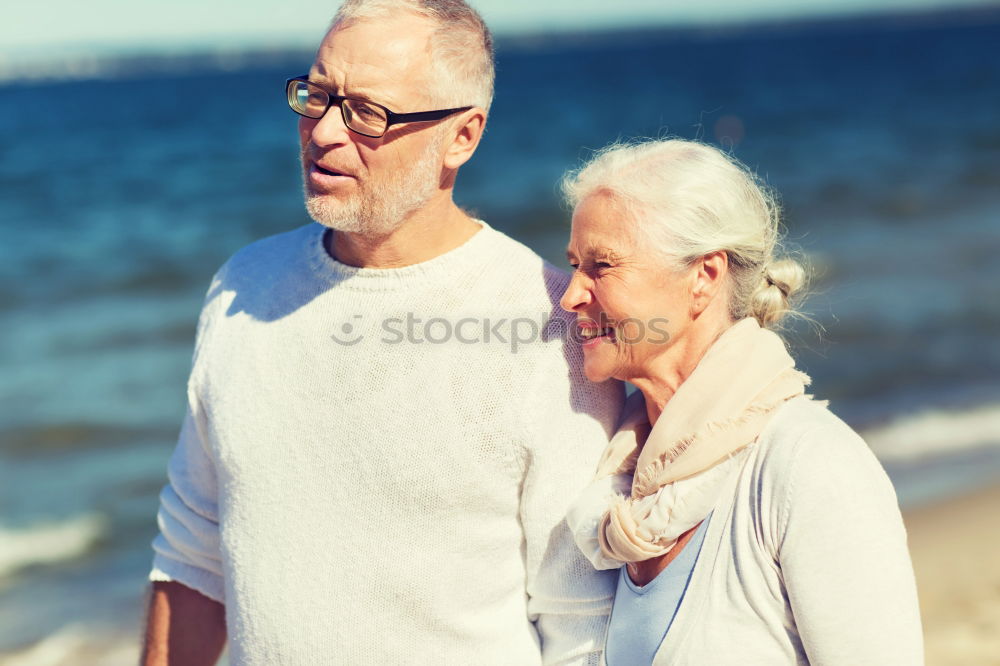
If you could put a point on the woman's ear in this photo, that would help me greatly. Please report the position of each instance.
(466, 138)
(709, 277)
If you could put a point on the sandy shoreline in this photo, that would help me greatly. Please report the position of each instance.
(955, 545)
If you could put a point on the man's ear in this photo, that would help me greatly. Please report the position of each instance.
(465, 138)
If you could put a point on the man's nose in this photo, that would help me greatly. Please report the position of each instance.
(577, 294)
(329, 130)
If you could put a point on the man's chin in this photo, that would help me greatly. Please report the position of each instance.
(348, 217)
(333, 213)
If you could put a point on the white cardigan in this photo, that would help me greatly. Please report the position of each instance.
(805, 559)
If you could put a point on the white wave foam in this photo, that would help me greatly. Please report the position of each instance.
(48, 542)
(936, 431)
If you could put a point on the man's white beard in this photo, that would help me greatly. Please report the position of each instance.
(377, 209)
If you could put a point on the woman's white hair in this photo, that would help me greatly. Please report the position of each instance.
(462, 45)
(688, 200)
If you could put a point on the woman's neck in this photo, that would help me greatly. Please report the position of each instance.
(667, 372)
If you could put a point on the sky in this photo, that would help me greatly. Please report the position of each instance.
(36, 27)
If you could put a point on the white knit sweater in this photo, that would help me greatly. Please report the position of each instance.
(391, 498)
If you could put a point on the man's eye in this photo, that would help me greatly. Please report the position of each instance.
(600, 265)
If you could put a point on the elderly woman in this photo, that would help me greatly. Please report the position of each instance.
(750, 525)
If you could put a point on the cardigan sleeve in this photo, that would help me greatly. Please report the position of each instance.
(568, 421)
(843, 554)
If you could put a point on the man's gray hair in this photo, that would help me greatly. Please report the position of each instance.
(462, 47)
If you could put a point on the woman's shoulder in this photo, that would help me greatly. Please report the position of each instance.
(807, 447)
(816, 487)
(804, 420)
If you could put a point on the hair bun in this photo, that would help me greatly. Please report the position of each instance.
(780, 281)
(785, 274)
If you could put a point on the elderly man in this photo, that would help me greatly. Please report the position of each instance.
(386, 421)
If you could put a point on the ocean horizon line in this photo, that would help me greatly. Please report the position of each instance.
(228, 54)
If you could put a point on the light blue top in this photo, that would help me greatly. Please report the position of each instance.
(641, 616)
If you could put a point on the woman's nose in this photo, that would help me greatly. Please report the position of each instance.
(576, 295)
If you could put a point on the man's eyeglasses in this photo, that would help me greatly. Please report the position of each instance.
(361, 116)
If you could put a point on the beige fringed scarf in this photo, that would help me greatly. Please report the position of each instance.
(678, 467)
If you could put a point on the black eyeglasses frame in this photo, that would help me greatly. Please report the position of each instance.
(392, 118)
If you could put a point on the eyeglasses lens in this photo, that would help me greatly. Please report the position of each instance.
(307, 100)
(364, 117)
(312, 101)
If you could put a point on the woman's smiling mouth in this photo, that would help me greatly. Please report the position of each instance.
(592, 334)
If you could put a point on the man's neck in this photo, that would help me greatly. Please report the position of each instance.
(435, 229)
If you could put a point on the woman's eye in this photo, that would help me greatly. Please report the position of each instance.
(600, 265)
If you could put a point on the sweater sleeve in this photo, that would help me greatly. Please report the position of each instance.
(843, 555)
(569, 421)
(187, 548)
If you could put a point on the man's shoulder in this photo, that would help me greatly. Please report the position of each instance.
(522, 256)
(525, 270)
(271, 253)
(267, 278)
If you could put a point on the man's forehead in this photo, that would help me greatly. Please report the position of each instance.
(386, 58)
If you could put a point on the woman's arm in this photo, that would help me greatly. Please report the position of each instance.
(843, 555)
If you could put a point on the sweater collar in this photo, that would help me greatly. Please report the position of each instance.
(441, 268)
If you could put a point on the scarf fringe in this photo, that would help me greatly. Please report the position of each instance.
(648, 482)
